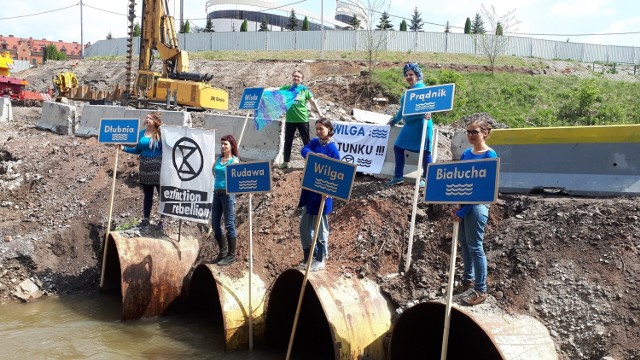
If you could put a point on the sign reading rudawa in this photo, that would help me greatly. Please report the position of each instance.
(364, 145)
(186, 178)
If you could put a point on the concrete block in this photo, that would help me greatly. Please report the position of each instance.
(255, 145)
(92, 114)
(6, 113)
(59, 118)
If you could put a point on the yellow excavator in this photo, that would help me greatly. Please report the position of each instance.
(64, 83)
(175, 86)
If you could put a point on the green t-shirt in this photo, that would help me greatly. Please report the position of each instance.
(298, 112)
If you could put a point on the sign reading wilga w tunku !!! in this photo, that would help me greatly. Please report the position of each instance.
(186, 177)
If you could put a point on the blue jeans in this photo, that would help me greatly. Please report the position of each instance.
(470, 237)
(399, 169)
(223, 204)
(307, 228)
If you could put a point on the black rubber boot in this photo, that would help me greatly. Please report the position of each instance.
(222, 249)
(231, 255)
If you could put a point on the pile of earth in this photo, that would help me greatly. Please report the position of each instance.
(571, 263)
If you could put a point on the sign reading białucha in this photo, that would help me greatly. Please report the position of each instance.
(328, 176)
(251, 177)
(463, 182)
(118, 131)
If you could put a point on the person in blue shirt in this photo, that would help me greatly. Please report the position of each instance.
(410, 135)
(473, 220)
(224, 203)
(149, 147)
(310, 201)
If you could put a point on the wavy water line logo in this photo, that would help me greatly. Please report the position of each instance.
(377, 133)
(458, 189)
(364, 162)
(118, 137)
(426, 106)
(247, 184)
(328, 186)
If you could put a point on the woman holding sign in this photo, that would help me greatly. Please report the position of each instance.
(310, 201)
(473, 219)
(224, 203)
(149, 147)
(410, 135)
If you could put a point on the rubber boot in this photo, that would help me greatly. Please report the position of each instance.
(222, 249)
(231, 255)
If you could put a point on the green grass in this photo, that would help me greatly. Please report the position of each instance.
(130, 224)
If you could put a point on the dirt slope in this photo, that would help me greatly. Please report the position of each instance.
(572, 263)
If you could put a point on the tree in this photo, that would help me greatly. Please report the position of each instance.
(244, 27)
(292, 25)
(305, 24)
(385, 23)
(109, 36)
(209, 26)
(136, 30)
(467, 26)
(477, 26)
(51, 53)
(355, 22)
(494, 45)
(416, 20)
(264, 26)
(186, 28)
(403, 25)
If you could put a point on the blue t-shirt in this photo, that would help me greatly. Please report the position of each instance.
(220, 173)
(469, 155)
(312, 199)
(145, 147)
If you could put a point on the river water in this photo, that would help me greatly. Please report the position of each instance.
(89, 327)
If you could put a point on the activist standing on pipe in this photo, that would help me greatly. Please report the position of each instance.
(224, 203)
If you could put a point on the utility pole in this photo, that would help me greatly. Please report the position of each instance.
(321, 29)
(81, 33)
(181, 13)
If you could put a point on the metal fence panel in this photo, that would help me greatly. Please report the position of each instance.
(544, 49)
(341, 40)
(460, 44)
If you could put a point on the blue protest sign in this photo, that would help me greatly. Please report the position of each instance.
(463, 182)
(428, 99)
(251, 177)
(328, 176)
(118, 131)
(251, 98)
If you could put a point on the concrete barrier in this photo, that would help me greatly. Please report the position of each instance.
(264, 145)
(6, 113)
(580, 160)
(91, 115)
(60, 118)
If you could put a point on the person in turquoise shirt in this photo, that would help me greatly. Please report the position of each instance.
(473, 220)
(410, 135)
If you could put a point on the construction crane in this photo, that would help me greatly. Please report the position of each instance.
(174, 86)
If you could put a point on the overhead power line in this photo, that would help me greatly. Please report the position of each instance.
(40, 13)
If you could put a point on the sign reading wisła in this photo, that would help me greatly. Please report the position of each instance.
(118, 131)
(328, 176)
(251, 177)
(251, 98)
(463, 182)
(428, 99)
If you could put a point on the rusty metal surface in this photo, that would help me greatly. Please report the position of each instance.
(234, 301)
(152, 272)
(487, 330)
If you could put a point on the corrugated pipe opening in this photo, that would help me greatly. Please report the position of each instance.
(112, 271)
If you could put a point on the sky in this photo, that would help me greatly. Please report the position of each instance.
(607, 22)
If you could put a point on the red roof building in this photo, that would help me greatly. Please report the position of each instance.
(33, 50)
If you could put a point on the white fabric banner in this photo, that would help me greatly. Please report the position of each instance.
(362, 144)
(186, 176)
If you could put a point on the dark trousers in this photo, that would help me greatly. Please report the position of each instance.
(147, 203)
(289, 132)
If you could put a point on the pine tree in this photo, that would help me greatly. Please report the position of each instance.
(355, 22)
(499, 30)
(292, 25)
(245, 26)
(305, 24)
(467, 26)
(109, 36)
(477, 27)
(136, 30)
(416, 20)
(385, 23)
(209, 26)
(403, 25)
(264, 26)
(186, 28)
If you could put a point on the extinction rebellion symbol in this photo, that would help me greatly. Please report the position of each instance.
(187, 157)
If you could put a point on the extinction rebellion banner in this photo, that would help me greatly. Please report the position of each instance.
(186, 178)
(362, 144)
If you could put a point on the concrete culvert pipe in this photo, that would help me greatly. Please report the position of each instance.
(417, 334)
(340, 318)
(224, 301)
(148, 272)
